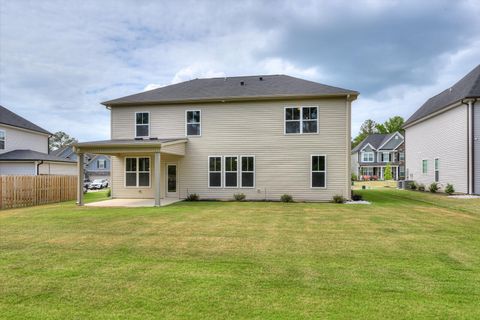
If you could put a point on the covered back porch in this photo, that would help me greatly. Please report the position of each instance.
(144, 171)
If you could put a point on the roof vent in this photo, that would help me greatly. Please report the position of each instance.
(261, 78)
(242, 83)
(137, 138)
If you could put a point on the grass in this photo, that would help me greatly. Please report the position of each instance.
(408, 255)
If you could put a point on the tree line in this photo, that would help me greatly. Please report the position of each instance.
(369, 127)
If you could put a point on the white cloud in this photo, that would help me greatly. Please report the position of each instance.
(152, 86)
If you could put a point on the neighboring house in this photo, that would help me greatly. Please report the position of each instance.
(263, 136)
(371, 156)
(24, 149)
(443, 137)
(96, 166)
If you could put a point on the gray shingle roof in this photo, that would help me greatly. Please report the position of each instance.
(233, 88)
(375, 140)
(30, 155)
(12, 119)
(467, 87)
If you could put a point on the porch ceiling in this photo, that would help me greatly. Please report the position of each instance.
(132, 146)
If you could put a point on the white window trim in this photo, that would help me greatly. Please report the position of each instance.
(301, 120)
(186, 123)
(383, 156)
(137, 173)
(311, 170)
(135, 122)
(254, 171)
(400, 156)
(225, 171)
(368, 152)
(4, 139)
(424, 173)
(221, 171)
(103, 161)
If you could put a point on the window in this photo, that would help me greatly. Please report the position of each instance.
(367, 156)
(137, 172)
(247, 172)
(231, 176)
(402, 172)
(424, 166)
(142, 124)
(101, 164)
(437, 170)
(402, 156)
(193, 123)
(2, 140)
(301, 120)
(386, 156)
(319, 171)
(214, 172)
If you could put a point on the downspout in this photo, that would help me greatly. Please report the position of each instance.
(469, 145)
(38, 167)
(348, 105)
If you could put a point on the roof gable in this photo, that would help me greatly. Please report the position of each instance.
(233, 88)
(467, 87)
(12, 119)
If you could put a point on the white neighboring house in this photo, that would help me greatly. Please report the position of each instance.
(24, 149)
(442, 138)
(263, 136)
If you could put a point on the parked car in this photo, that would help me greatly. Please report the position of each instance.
(86, 183)
(99, 184)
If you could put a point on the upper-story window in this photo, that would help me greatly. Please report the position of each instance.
(142, 124)
(2, 140)
(367, 156)
(194, 124)
(402, 156)
(301, 120)
(386, 156)
(101, 163)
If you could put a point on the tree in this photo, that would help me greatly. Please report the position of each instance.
(59, 140)
(388, 172)
(368, 127)
(392, 125)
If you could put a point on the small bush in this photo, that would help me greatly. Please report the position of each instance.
(356, 197)
(338, 199)
(412, 185)
(109, 193)
(286, 198)
(354, 177)
(421, 187)
(239, 196)
(193, 197)
(433, 187)
(449, 189)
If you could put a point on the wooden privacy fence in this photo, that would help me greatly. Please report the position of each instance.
(24, 191)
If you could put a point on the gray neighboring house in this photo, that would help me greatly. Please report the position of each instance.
(371, 156)
(443, 137)
(24, 148)
(97, 166)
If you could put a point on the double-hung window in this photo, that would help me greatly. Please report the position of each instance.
(231, 172)
(215, 172)
(318, 171)
(2, 140)
(386, 156)
(402, 156)
(301, 120)
(247, 172)
(142, 124)
(137, 172)
(193, 123)
(101, 164)
(424, 166)
(437, 170)
(367, 156)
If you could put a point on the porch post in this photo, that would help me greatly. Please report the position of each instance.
(157, 182)
(81, 176)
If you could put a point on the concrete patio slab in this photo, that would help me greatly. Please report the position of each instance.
(132, 203)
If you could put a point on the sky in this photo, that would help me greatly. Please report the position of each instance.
(60, 59)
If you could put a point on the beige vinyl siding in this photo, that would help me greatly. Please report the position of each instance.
(18, 139)
(445, 137)
(249, 128)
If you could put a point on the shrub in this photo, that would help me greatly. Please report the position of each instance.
(421, 187)
(354, 177)
(374, 178)
(239, 196)
(286, 198)
(193, 197)
(356, 197)
(109, 193)
(449, 188)
(338, 199)
(433, 187)
(412, 185)
(388, 172)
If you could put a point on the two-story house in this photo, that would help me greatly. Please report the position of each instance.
(443, 137)
(97, 166)
(24, 148)
(263, 136)
(371, 156)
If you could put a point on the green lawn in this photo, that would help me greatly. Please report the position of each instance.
(409, 255)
